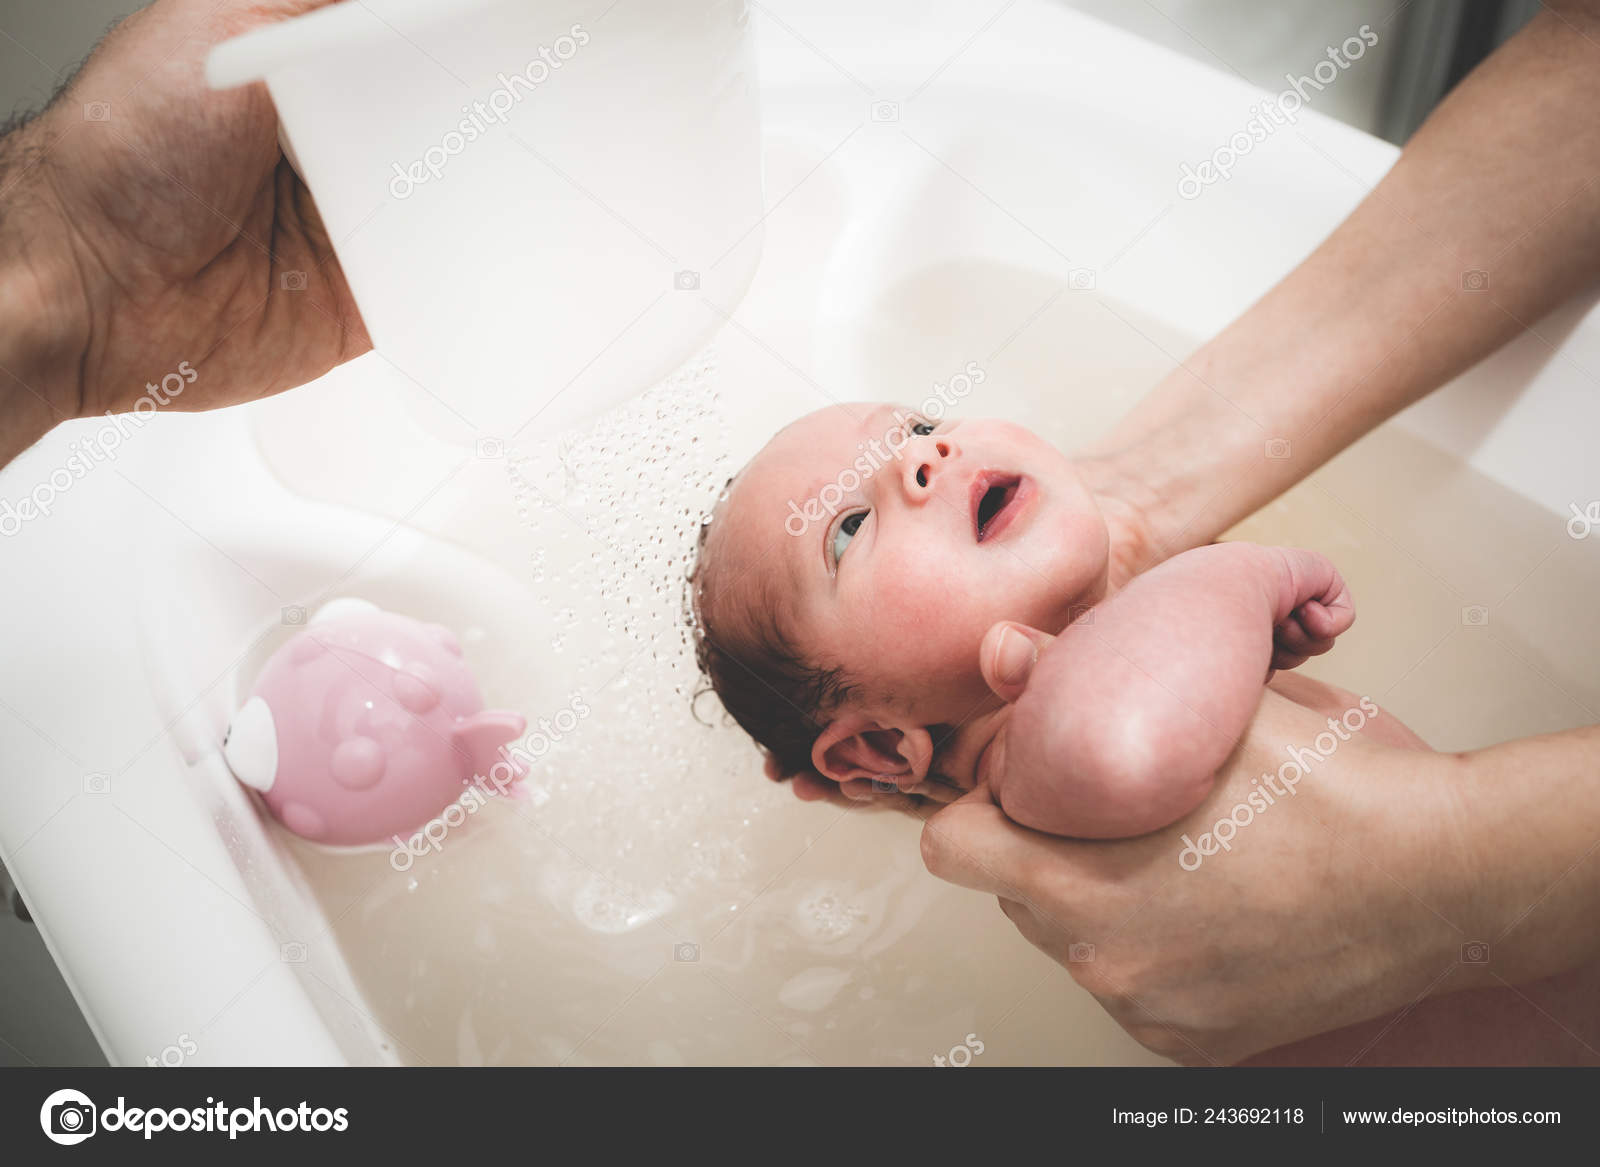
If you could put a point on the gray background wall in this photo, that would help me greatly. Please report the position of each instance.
(42, 42)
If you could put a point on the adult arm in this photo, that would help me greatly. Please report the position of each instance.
(146, 221)
(1503, 178)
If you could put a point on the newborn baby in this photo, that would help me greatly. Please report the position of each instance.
(850, 587)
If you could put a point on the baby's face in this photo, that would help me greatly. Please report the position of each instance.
(894, 543)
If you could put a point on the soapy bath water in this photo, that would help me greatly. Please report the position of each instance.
(616, 512)
(657, 901)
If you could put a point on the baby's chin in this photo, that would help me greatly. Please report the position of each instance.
(1062, 568)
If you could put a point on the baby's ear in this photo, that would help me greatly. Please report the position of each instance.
(853, 746)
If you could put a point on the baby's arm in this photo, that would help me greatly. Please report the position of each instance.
(1131, 711)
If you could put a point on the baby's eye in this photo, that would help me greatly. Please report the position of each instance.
(846, 531)
(923, 428)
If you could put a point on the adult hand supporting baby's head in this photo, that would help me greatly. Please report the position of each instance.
(1007, 656)
(1212, 956)
(1055, 890)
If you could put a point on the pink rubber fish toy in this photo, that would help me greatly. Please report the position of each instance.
(366, 725)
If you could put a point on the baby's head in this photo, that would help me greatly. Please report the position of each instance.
(846, 581)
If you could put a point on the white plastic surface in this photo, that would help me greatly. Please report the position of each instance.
(514, 187)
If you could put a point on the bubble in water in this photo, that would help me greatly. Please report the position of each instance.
(605, 907)
(617, 512)
(829, 914)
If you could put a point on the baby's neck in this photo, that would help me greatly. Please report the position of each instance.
(959, 753)
(959, 750)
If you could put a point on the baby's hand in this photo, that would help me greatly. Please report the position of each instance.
(1312, 625)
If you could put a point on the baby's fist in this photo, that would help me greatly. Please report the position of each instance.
(1311, 629)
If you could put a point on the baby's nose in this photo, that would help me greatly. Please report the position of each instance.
(925, 457)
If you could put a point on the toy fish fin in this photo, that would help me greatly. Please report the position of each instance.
(481, 736)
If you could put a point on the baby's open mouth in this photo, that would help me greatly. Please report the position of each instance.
(994, 497)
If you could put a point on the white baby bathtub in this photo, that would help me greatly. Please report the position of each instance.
(1034, 153)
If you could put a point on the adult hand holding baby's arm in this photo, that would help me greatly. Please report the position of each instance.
(147, 221)
(1350, 900)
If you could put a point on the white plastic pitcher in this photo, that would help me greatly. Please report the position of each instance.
(542, 206)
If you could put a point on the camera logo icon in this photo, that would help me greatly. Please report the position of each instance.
(686, 281)
(1475, 952)
(685, 952)
(490, 449)
(962, 1053)
(885, 111)
(1583, 522)
(294, 614)
(97, 111)
(293, 952)
(97, 783)
(1475, 615)
(885, 786)
(1080, 953)
(1476, 280)
(293, 281)
(1081, 279)
(1278, 449)
(67, 1117)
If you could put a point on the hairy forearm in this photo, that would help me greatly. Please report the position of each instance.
(1504, 178)
(41, 306)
